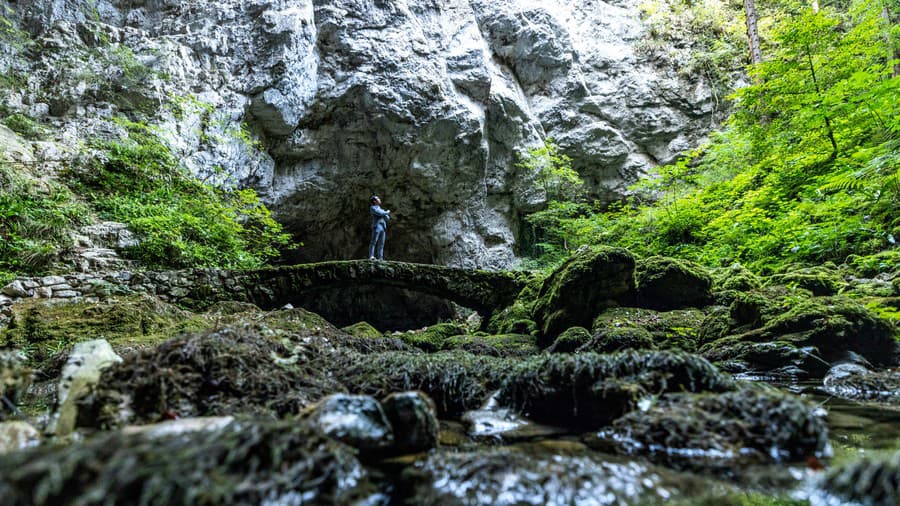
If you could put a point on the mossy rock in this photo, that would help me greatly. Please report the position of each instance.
(591, 280)
(570, 340)
(749, 308)
(715, 325)
(747, 426)
(297, 321)
(362, 329)
(234, 370)
(619, 339)
(745, 356)
(873, 479)
(15, 378)
(869, 266)
(882, 386)
(737, 277)
(835, 325)
(670, 283)
(457, 381)
(500, 345)
(677, 329)
(515, 319)
(433, 338)
(818, 280)
(247, 462)
(589, 390)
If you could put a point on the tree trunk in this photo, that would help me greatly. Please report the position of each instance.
(753, 31)
(893, 49)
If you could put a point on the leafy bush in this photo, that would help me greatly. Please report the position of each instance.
(180, 221)
(24, 126)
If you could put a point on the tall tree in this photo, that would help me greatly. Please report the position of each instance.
(753, 31)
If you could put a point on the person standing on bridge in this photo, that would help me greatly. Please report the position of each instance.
(380, 218)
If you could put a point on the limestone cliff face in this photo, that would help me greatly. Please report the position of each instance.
(320, 103)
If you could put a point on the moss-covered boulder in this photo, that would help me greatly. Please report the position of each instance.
(518, 318)
(228, 371)
(570, 340)
(457, 381)
(357, 420)
(871, 480)
(820, 281)
(15, 378)
(882, 386)
(677, 329)
(738, 356)
(715, 325)
(413, 417)
(362, 329)
(669, 283)
(589, 390)
(502, 345)
(736, 277)
(618, 339)
(744, 426)
(834, 325)
(591, 280)
(247, 462)
(433, 338)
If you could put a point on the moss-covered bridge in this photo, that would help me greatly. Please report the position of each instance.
(394, 294)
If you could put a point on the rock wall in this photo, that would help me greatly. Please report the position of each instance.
(320, 103)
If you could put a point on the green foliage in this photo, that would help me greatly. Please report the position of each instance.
(181, 222)
(25, 126)
(36, 220)
(804, 171)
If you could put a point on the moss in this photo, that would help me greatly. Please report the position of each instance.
(818, 280)
(869, 480)
(228, 371)
(247, 462)
(15, 378)
(669, 283)
(433, 338)
(869, 266)
(514, 319)
(589, 390)
(25, 126)
(45, 327)
(362, 329)
(588, 282)
(618, 339)
(716, 325)
(749, 308)
(457, 381)
(678, 329)
(572, 339)
(700, 431)
(500, 345)
(835, 325)
(736, 277)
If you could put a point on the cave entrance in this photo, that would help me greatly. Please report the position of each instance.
(384, 307)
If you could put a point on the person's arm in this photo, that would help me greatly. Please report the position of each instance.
(378, 211)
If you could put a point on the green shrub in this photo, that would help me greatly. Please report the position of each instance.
(25, 126)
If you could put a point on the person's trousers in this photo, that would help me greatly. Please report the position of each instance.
(376, 245)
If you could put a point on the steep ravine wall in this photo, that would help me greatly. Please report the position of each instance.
(320, 103)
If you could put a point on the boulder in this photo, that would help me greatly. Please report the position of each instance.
(677, 329)
(362, 329)
(737, 277)
(820, 280)
(15, 378)
(588, 390)
(16, 436)
(413, 417)
(591, 280)
(854, 381)
(715, 431)
(769, 357)
(357, 420)
(80, 375)
(502, 345)
(570, 340)
(669, 283)
(619, 338)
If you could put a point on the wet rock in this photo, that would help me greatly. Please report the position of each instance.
(873, 480)
(764, 357)
(246, 462)
(413, 417)
(590, 281)
(15, 379)
(552, 473)
(213, 373)
(362, 329)
(854, 381)
(669, 283)
(16, 289)
(570, 340)
(80, 375)
(16, 435)
(722, 430)
(357, 420)
(588, 390)
(457, 381)
(677, 329)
